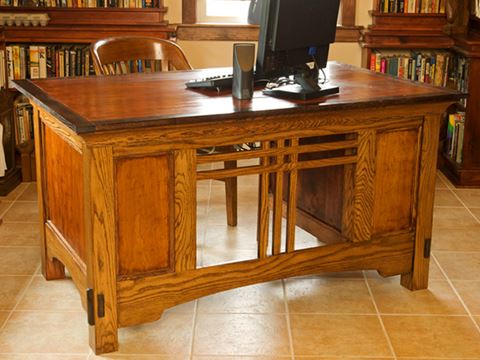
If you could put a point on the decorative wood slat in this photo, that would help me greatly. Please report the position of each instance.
(292, 200)
(253, 154)
(263, 208)
(260, 169)
(277, 202)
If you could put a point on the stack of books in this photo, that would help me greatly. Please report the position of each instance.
(23, 114)
(42, 61)
(455, 132)
(413, 6)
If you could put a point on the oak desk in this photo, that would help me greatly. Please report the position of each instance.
(118, 166)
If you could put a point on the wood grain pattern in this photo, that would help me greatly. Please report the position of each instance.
(161, 98)
(64, 189)
(417, 278)
(146, 297)
(291, 212)
(101, 261)
(263, 216)
(277, 187)
(144, 224)
(51, 268)
(59, 248)
(185, 211)
(364, 186)
(395, 181)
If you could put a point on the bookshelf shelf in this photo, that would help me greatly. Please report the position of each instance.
(67, 26)
(419, 32)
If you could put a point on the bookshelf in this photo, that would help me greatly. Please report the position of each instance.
(451, 32)
(69, 27)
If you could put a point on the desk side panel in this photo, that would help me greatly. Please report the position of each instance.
(64, 190)
(143, 191)
(396, 176)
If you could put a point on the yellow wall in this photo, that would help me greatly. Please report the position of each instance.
(204, 54)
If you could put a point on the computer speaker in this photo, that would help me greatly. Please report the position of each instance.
(243, 62)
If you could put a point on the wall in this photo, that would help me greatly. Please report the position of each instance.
(202, 54)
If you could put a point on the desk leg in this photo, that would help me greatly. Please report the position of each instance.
(52, 269)
(417, 279)
(101, 250)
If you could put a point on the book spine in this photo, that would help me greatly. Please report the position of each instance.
(42, 61)
(34, 62)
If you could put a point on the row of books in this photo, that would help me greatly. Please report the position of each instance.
(412, 6)
(476, 8)
(455, 133)
(42, 61)
(23, 114)
(131, 4)
(439, 69)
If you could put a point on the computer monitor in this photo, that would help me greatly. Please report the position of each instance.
(294, 33)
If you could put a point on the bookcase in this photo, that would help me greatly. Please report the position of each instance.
(456, 32)
(72, 26)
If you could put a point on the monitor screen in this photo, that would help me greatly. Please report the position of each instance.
(293, 33)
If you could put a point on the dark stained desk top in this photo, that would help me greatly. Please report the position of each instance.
(88, 104)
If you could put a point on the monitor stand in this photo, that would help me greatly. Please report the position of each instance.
(297, 92)
(305, 87)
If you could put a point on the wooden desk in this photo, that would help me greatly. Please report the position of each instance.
(117, 172)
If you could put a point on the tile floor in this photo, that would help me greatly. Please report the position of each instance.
(356, 315)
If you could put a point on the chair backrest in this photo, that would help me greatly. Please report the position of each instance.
(127, 54)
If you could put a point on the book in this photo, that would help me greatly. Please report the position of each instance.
(42, 60)
(34, 62)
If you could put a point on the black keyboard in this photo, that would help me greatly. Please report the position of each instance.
(212, 82)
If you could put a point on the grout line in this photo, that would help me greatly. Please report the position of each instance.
(389, 341)
(457, 293)
(12, 201)
(194, 325)
(289, 324)
(465, 206)
(20, 298)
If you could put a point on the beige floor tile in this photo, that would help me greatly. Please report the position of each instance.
(328, 295)
(456, 239)
(338, 335)
(444, 180)
(214, 256)
(470, 197)
(45, 332)
(171, 335)
(138, 357)
(394, 299)
(3, 317)
(433, 336)
(4, 205)
(213, 357)
(445, 197)
(15, 192)
(247, 214)
(25, 211)
(54, 295)
(43, 357)
(19, 234)
(30, 193)
(255, 299)
(241, 334)
(11, 288)
(452, 217)
(461, 265)
(470, 293)
(225, 238)
(19, 260)
(186, 308)
(476, 212)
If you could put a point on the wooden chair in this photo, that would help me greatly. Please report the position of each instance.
(129, 54)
